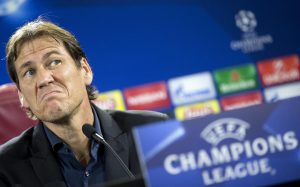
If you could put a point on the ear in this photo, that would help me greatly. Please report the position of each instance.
(86, 71)
(23, 101)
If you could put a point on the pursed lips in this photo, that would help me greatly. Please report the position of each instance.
(49, 94)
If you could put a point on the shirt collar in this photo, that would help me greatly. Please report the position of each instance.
(56, 142)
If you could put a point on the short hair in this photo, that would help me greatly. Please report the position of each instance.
(37, 29)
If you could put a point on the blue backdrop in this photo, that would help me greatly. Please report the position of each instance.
(132, 42)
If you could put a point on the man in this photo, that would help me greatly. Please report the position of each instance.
(53, 78)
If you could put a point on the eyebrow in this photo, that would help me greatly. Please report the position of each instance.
(50, 53)
(45, 56)
(23, 66)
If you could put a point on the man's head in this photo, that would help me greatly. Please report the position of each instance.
(40, 54)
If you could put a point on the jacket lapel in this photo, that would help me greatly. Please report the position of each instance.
(47, 169)
(117, 139)
(43, 160)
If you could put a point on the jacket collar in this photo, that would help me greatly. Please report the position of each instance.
(47, 169)
(117, 139)
(43, 161)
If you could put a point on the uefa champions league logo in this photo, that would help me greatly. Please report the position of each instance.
(226, 128)
(250, 41)
(245, 20)
(226, 161)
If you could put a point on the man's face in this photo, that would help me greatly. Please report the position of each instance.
(50, 84)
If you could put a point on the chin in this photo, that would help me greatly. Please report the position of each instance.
(57, 119)
(56, 116)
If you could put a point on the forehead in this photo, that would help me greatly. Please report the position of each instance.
(37, 46)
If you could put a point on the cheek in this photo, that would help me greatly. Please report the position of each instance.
(68, 73)
(27, 95)
(74, 81)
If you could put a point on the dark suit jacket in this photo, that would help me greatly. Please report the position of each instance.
(28, 160)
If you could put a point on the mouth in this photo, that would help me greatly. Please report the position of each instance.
(49, 95)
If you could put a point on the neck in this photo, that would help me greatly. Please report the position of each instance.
(71, 133)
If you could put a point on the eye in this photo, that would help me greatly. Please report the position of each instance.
(54, 63)
(29, 73)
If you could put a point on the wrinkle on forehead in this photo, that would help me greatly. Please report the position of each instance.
(36, 45)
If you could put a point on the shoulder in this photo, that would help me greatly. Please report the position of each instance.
(139, 116)
(16, 147)
(130, 118)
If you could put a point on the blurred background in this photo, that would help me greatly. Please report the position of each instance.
(186, 58)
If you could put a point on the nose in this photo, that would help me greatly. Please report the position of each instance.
(44, 77)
